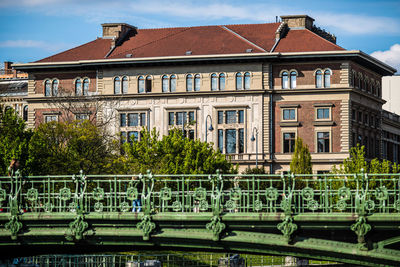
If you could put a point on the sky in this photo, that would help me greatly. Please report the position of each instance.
(34, 29)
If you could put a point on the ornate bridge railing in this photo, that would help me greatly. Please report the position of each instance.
(355, 193)
(300, 215)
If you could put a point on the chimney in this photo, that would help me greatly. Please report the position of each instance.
(118, 31)
(298, 21)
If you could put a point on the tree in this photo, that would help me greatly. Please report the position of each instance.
(301, 158)
(14, 139)
(68, 147)
(173, 154)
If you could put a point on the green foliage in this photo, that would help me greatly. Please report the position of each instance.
(172, 154)
(255, 170)
(301, 159)
(14, 139)
(65, 148)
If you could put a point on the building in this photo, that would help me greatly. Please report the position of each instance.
(259, 85)
(391, 93)
(14, 89)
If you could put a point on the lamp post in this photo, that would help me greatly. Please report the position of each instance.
(210, 128)
(255, 139)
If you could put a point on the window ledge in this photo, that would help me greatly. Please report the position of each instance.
(324, 123)
(289, 124)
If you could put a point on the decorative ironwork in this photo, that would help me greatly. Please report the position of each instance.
(230, 205)
(258, 205)
(381, 193)
(2, 195)
(147, 226)
(65, 194)
(98, 193)
(271, 194)
(98, 207)
(307, 193)
(361, 228)
(216, 226)
(166, 193)
(124, 206)
(344, 193)
(77, 228)
(287, 227)
(132, 193)
(200, 193)
(177, 206)
(14, 226)
(32, 194)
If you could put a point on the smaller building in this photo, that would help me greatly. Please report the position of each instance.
(14, 89)
(391, 93)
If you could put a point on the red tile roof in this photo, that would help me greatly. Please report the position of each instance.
(203, 40)
(96, 49)
(305, 41)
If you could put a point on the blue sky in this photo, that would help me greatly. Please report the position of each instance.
(34, 29)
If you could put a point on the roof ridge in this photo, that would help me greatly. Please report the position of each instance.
(156, 40)
(324, 38)
(98, 38)
(242, 38)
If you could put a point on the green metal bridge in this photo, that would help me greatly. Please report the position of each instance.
(351, 218)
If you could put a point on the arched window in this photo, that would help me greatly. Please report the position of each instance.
(365, 85)
(360, 83)
(247, 80)
(165, 84)
(173, 83)
(293, 76)
(354, 79)
(55, 87)
(148, 84)
(197, 82)
(117, 85)
(47, 88)
(318, 79)
(327, 79)
(141, 84)
(189, 82)
(239, 81)
(222, 81)
(25, 114)
(86, 86)
(285, 80)
(78, 87)
(214, 82)
(125, 85)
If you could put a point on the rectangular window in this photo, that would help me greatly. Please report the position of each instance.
(133, 136)
(323, 141)
(289, 140)
(230, 116)
(50, 118)
(221, 140)
(360, 117)
(366, 118)
(220, 117)
(241, 116)
(353, 114)
(241, 140)
(289, 114)
(180, 118)
(148, 85)
(133, 119)
(191, 116)
(143, 119)
(81, 117)
(323, 113)
(122, 120)
(171, 116)
(230, 141)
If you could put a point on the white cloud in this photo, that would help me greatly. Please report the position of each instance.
(52, 47)
(358, 24)
(390, 57)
